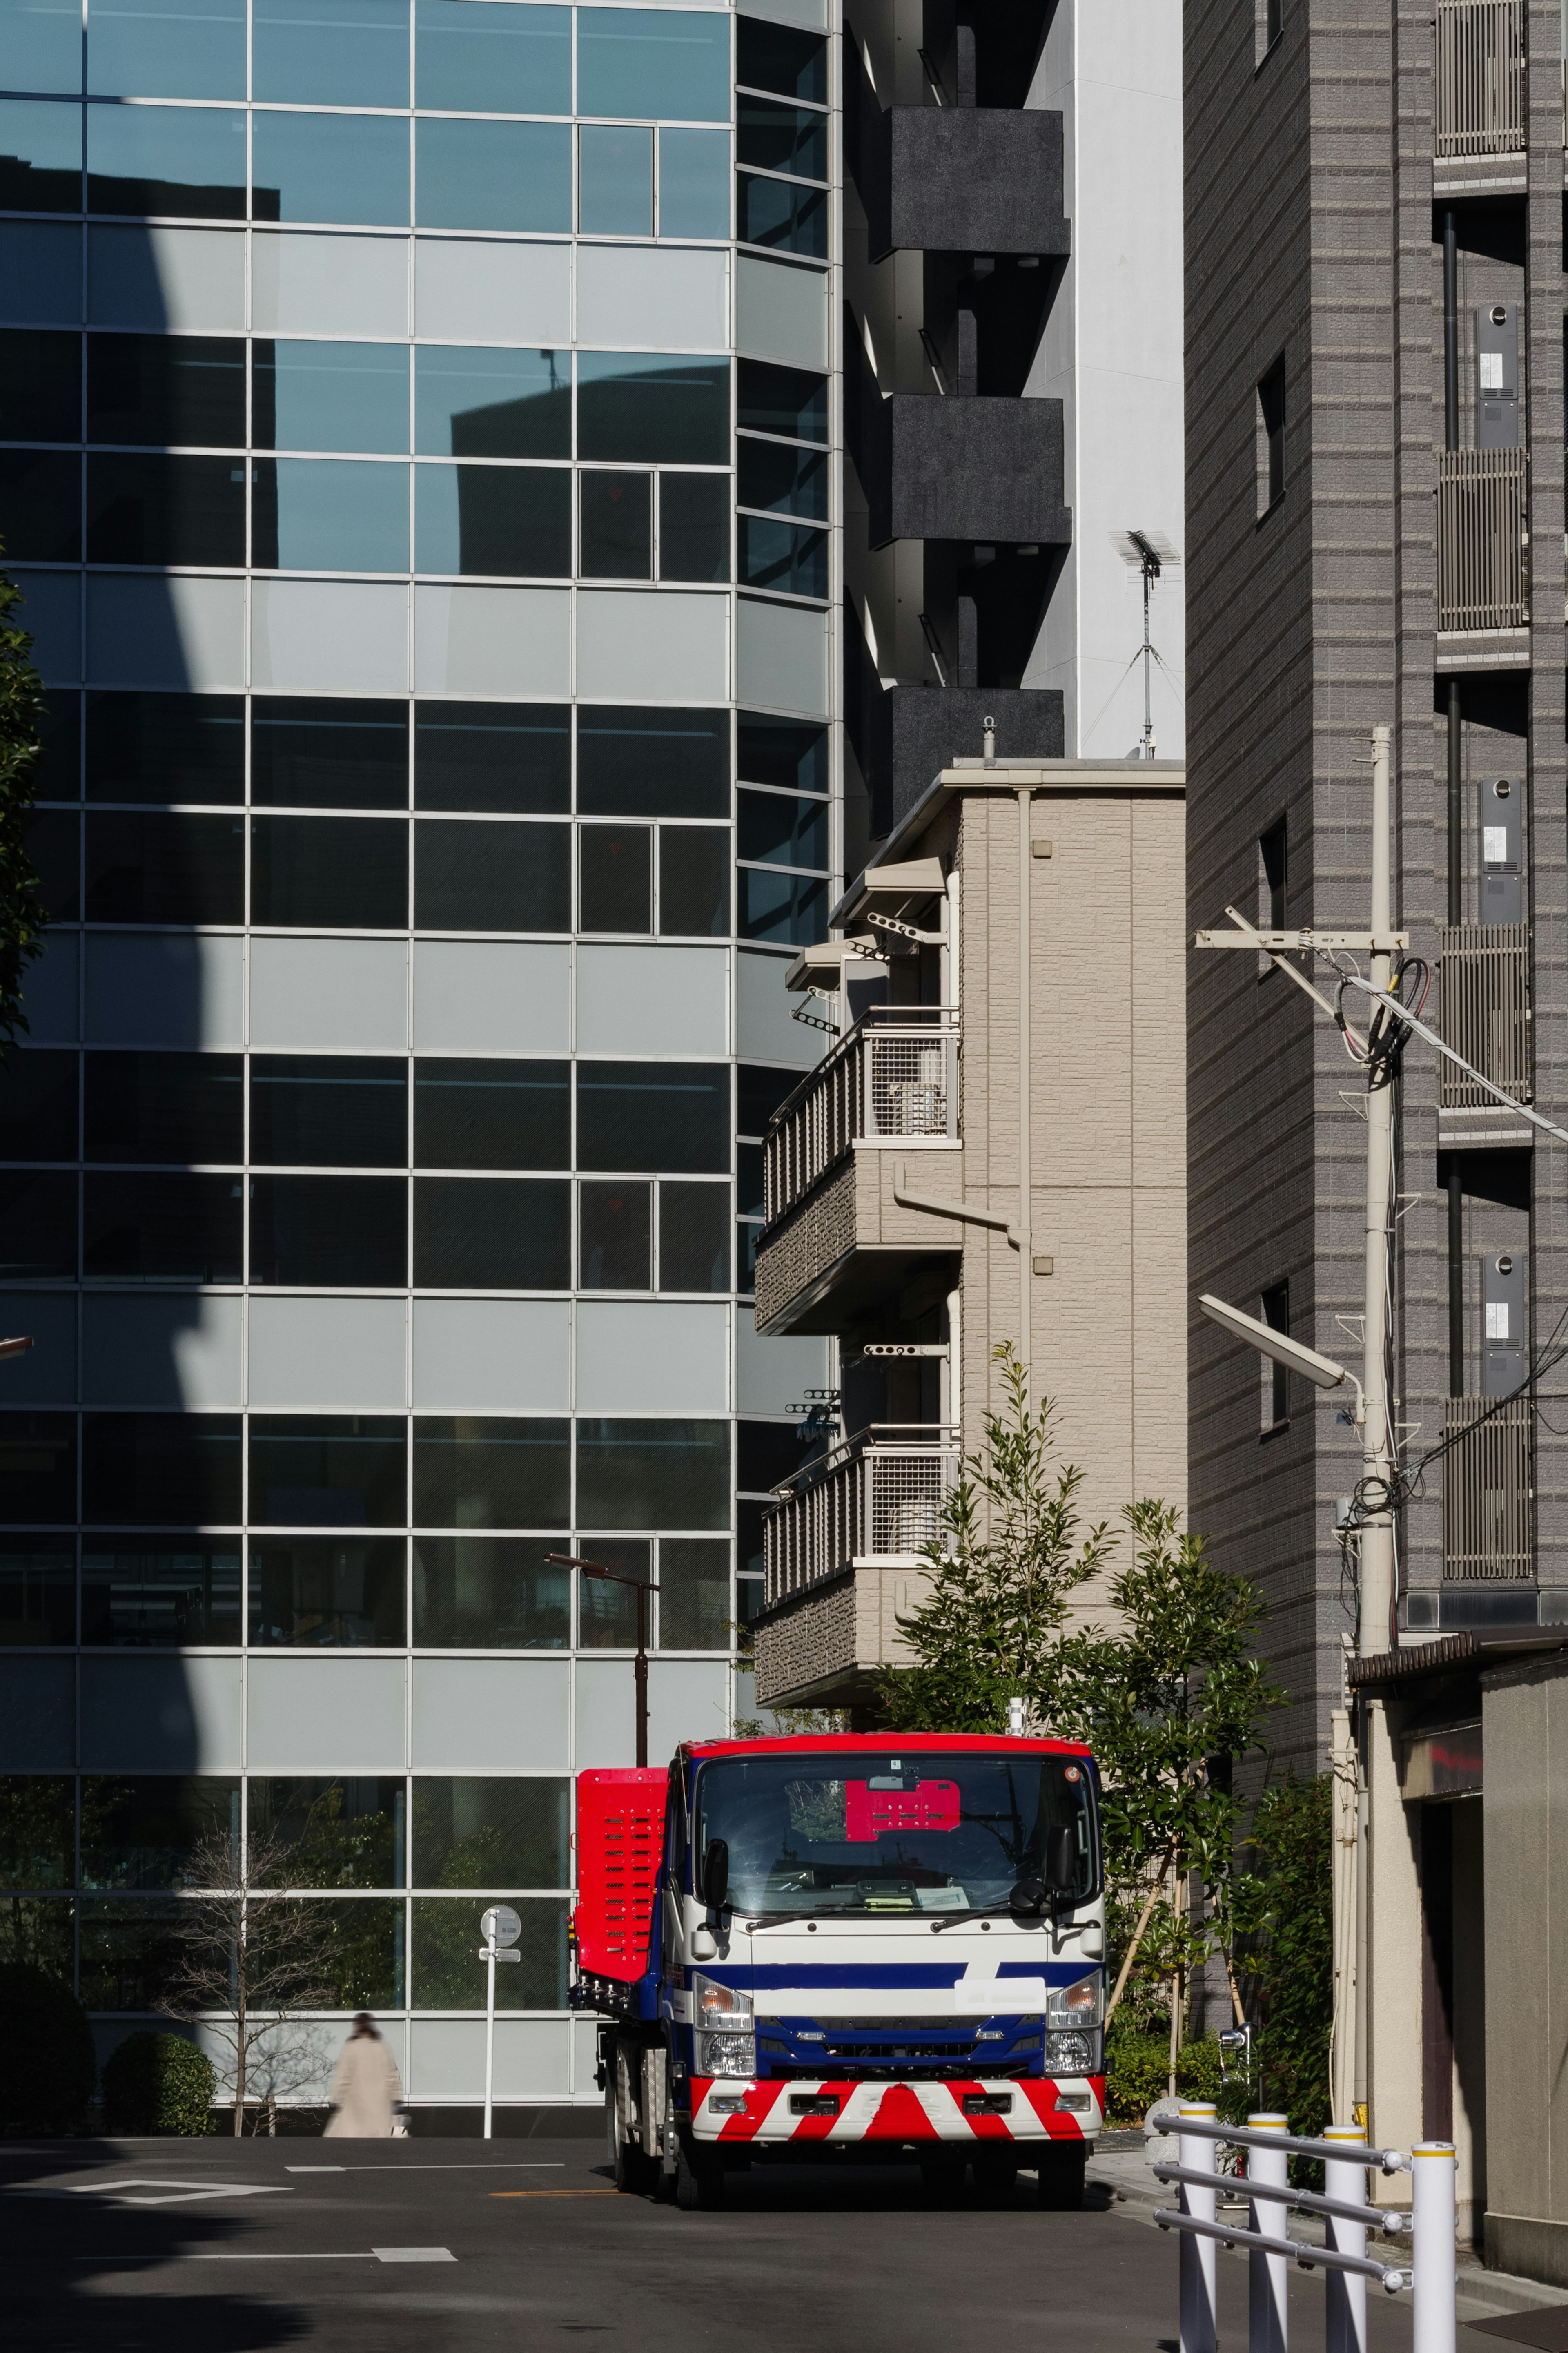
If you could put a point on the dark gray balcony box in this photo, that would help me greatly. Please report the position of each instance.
(904, 735)
(956, 179)
(977, 470)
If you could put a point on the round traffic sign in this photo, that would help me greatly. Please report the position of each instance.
(499, 1924)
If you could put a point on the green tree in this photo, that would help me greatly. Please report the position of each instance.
(22, 915)
(1282, 1906)
(158, 2084)
(1008, 1556)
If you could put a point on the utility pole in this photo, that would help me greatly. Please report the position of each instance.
(1378, 1629)
(640, 1587)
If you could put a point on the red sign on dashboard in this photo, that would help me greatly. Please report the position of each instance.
(872, 1814)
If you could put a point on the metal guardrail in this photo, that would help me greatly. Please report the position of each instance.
(879, 1495)
(1487, 1490)
(895, 1074)
(1479, 100)
(1485, 1011)
(1483, 575)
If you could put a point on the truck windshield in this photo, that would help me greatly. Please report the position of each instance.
(930, 1832)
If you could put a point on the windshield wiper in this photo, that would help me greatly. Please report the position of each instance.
(980, 1912)
(780, 1919)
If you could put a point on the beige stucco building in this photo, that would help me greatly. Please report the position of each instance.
(991, 1151)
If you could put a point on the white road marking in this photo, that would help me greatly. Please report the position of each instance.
(463, 2165)
(337, 2255)
(166, 2193)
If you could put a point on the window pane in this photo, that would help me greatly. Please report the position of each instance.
(53, 839)
(168, 1470)
(748, 1180)
(693, 526)
(331, 396)
(694, 184)
(490, 1475)
(780, 214)
(781, 400)
(144, 48)
(155, 510)
(508, 522)
(614, 1237)
(37, 1467)
(759, 1090)
(365, 1957)
(165, 747)
(785, 909)
(448, 1975)
(647, 409)
(507, 756)
(694, 880)
(654, 1115)
(780, 831)
(139, 1599)
(669, 62)
(329, 1111)
(484, 1233)
(40, 384)
(492, 1834)
(166, 159)
(38, 1106)
(354, 53)
(335, 873)
(37, 1607)
(614, 190)
(652, 1474)
(168, 1227)
(331, 167)
(145, 867)
(746, 1240)
(37, 1228)
(316, 752)
(777, 56)
(484, 1114)
(769, 1451)
(37, 1931)
(515, 175)
(781, 138)
(693, 1237)
(694, 1594)
(782, 556)
(616, 877)
(345, 1833)
(165, 1108)
(617, 526)
(40, 155)
(330, 1231)
(330, 515)
(58, 776)
(787, 479)
(328, 1593)
(490, 1593)
(129, 1949)
(607, 1613)
(144, 1831)
(325, 1471)
(637, 761)
(43, 44)
(471, 402)
(472, 57)
(37, 495)
(38, 1831)
(475, 876)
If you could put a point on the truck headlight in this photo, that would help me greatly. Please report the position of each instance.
(726, 2054)
(1069, 2054)
(1078, 2004)
(716, 2007)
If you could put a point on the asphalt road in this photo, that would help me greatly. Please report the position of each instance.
(214, 2246)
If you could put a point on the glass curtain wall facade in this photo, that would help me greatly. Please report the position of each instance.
(418, 452)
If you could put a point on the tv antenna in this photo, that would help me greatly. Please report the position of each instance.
(1147, 552)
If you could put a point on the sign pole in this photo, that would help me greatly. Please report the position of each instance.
(500, 1928)
(489, 2031)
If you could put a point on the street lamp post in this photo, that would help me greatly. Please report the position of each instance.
(602, 1575)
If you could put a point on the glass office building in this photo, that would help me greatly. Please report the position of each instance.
(420, 461)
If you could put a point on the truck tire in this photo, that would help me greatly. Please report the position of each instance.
(1061, 2177)
(698, 2177)
(634, 2170)
(995, 2173)
(942, 2175)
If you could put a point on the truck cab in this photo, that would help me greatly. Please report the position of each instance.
(874, 1941)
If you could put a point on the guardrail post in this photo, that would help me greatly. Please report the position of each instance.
(1432, 2224)
(1345, 2321)
(1267, 2275)
(1198, 2333)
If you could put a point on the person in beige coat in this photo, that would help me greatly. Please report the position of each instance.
(365, 2086)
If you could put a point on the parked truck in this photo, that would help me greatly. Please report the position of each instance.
(874, 1942)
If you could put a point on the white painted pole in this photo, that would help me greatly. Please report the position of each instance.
(490, 2030)
(1377, 1630)
(1432, 2231)
(1345, 2325)
(1198, 2333)
(1268, 2329)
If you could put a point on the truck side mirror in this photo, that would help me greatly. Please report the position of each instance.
(1027, 1900)
(716, 1874)
(1061, 1858)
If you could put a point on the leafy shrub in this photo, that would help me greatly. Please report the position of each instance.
(1137, 2068)
(47, 2067)
(158, 2084)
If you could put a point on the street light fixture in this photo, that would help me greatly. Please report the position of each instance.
(15, 1347)
(602, 1575)
(1322, 1371)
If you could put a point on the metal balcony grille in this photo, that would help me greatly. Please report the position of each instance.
(894, 1074)
(877, 1496)
(1487, 1492)
(1485, 1011)
(1478, 100)
(1482, 540)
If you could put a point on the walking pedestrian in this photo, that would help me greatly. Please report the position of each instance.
(365, 2092)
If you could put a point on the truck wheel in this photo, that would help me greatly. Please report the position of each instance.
(634, 2170)
(995, 2175)
(942, 2175)
(699, 2179)
(1061, 2178)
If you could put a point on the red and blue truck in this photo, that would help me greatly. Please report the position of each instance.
(881, 1943)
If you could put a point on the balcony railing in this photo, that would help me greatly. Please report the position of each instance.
(1478, 100)
(895, 1074)
(1487, 1493)
(1485, 1011)
(1483, 575)
(877, 1496)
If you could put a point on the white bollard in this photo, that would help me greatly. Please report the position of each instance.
(1433, 2231)
(1345, 2322)
(1198, 2333)
(1268, 2328)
